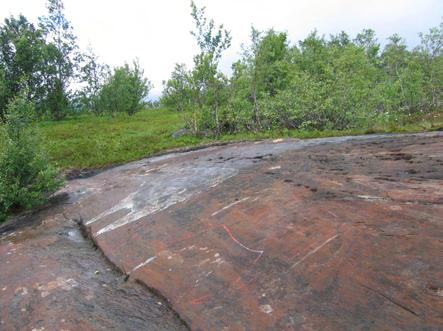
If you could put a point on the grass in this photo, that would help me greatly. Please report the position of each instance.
(94, 142)
(89, 141)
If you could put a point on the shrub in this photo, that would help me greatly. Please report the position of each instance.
(124, 91)
(26, 178)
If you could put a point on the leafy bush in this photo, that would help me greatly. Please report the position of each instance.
(124, 91)
(26, 178)
(320, 83)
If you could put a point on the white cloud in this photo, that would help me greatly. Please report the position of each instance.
(157, 32)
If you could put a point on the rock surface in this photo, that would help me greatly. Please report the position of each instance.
(323, 234)
(52, 278)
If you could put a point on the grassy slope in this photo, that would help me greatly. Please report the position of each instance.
(91, 142)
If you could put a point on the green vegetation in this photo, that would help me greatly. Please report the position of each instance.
(44, 62)
(40, 60)
(26, 177)
(123, 91)
(320, 83)
(90, 141)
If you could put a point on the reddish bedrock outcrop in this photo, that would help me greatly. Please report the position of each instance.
(322, 234)
(326, 234)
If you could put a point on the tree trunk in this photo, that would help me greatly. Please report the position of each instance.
(256, 110)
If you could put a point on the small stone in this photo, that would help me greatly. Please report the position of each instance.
(267, 309)
(180, 132)
(159, 303)
(22, 291)
(97, 272)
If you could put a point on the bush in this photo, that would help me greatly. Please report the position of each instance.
(124, 91)
(26, 178)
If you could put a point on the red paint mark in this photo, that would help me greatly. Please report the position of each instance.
(200, 300)
(237, 285)
(241, 286)
(259, 256)
(260, 253)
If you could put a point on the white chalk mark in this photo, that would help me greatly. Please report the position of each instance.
(153, 197)
(229, 206)
(370, 197)
(134, 215)
(126, 203)
(156, 168)
(260, 253)
(313, 252)
(218, 260)
(331, 213)
(152, 258)
(216, 182)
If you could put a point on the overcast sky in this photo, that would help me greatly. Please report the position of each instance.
(157, 32)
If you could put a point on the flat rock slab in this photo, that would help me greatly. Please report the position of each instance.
(322, 234)
(52, 278)
(326, 234)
